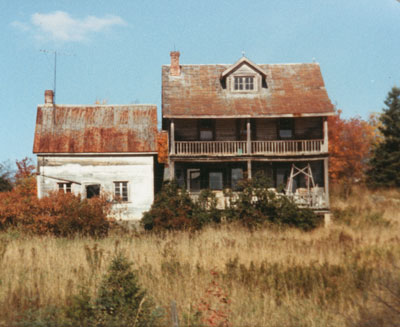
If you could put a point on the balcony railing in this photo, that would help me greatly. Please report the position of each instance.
(235, 148)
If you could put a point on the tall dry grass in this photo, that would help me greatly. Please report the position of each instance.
(269, 277)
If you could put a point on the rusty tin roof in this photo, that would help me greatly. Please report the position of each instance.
(292, 90)
(95, 129)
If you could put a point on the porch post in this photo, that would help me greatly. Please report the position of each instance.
(326, 181)
(171, 170)
(325, 134)
(172, 136)
(248, 137)
(248, 169)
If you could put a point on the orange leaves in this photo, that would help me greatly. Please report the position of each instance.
(162, 147)
(350, 142)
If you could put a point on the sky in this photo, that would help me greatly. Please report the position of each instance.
(113, 50)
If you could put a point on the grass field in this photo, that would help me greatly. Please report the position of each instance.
(271, 277)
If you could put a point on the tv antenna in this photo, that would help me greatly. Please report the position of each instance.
(55, 52)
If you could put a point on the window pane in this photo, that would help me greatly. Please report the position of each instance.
(237, 175)
(249, 83)
(206, 135)
(216, 181)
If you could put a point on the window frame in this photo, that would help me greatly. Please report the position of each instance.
(65, 187)
(119, 191)
(189, 179)
(242, 83)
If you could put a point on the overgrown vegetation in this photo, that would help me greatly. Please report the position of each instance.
(254, 206)
(173, 209)
(58, 214)
(120, 301)
(229, 275)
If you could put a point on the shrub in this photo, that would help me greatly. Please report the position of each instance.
(256, 205)
(58, 214)
(173, 209)
(120, 302)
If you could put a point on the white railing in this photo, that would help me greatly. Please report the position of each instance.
(190, 148)
(233, 148)
(288, 147)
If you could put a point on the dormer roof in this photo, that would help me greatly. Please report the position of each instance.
(243, 61)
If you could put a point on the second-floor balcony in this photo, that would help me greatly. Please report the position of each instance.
(237, 148)
(248, 137)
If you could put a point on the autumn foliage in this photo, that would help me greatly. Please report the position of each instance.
(58, 214)
(350, 143)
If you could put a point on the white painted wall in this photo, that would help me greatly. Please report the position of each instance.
(138, 171)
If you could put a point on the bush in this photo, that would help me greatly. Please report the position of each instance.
(120, 302)
(255, 205)
(58, 214)
(173, 209)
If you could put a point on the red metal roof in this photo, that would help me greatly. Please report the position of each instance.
(293, 89)
(95, 129)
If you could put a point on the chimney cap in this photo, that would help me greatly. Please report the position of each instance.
(48, 97)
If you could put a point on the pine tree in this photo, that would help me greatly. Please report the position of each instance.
(385, 162)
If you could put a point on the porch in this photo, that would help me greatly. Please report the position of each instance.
(237, 148)
(223, 176)
(250, 137)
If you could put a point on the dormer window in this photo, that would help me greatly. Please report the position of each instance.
(244, 83)
(243, 77)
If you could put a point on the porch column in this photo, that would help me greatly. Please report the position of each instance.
(326, 181)
(248, 137)
(249, 169)
(172, 136)
(325, 134)
(171, 170)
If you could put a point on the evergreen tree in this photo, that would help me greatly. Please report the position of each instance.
(385, 162)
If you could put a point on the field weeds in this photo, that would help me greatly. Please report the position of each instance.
(226, 275)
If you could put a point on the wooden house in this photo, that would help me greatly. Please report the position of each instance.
(229, 122)
(98, 149)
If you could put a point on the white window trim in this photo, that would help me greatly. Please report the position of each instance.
(119, 185)
(256, 83)
(65, 187)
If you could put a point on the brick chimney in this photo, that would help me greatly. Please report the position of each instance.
(49, 97)
(175, 68)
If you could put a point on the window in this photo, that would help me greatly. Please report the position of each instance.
(244, 83)
(193, 180)
(121, 191)
(236, 177)
(64, 187)
(215, 180)
(206, 130)
(286, 128)
(92, 191)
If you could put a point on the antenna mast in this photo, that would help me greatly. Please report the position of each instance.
(55, 67)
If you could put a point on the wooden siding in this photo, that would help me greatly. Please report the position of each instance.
(308, 128)
(186, 129)
(266, 129)
(225, 129)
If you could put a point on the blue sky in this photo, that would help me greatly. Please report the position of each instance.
(113, 50)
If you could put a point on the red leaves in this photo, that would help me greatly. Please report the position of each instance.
(350, 142)
(214, 305)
